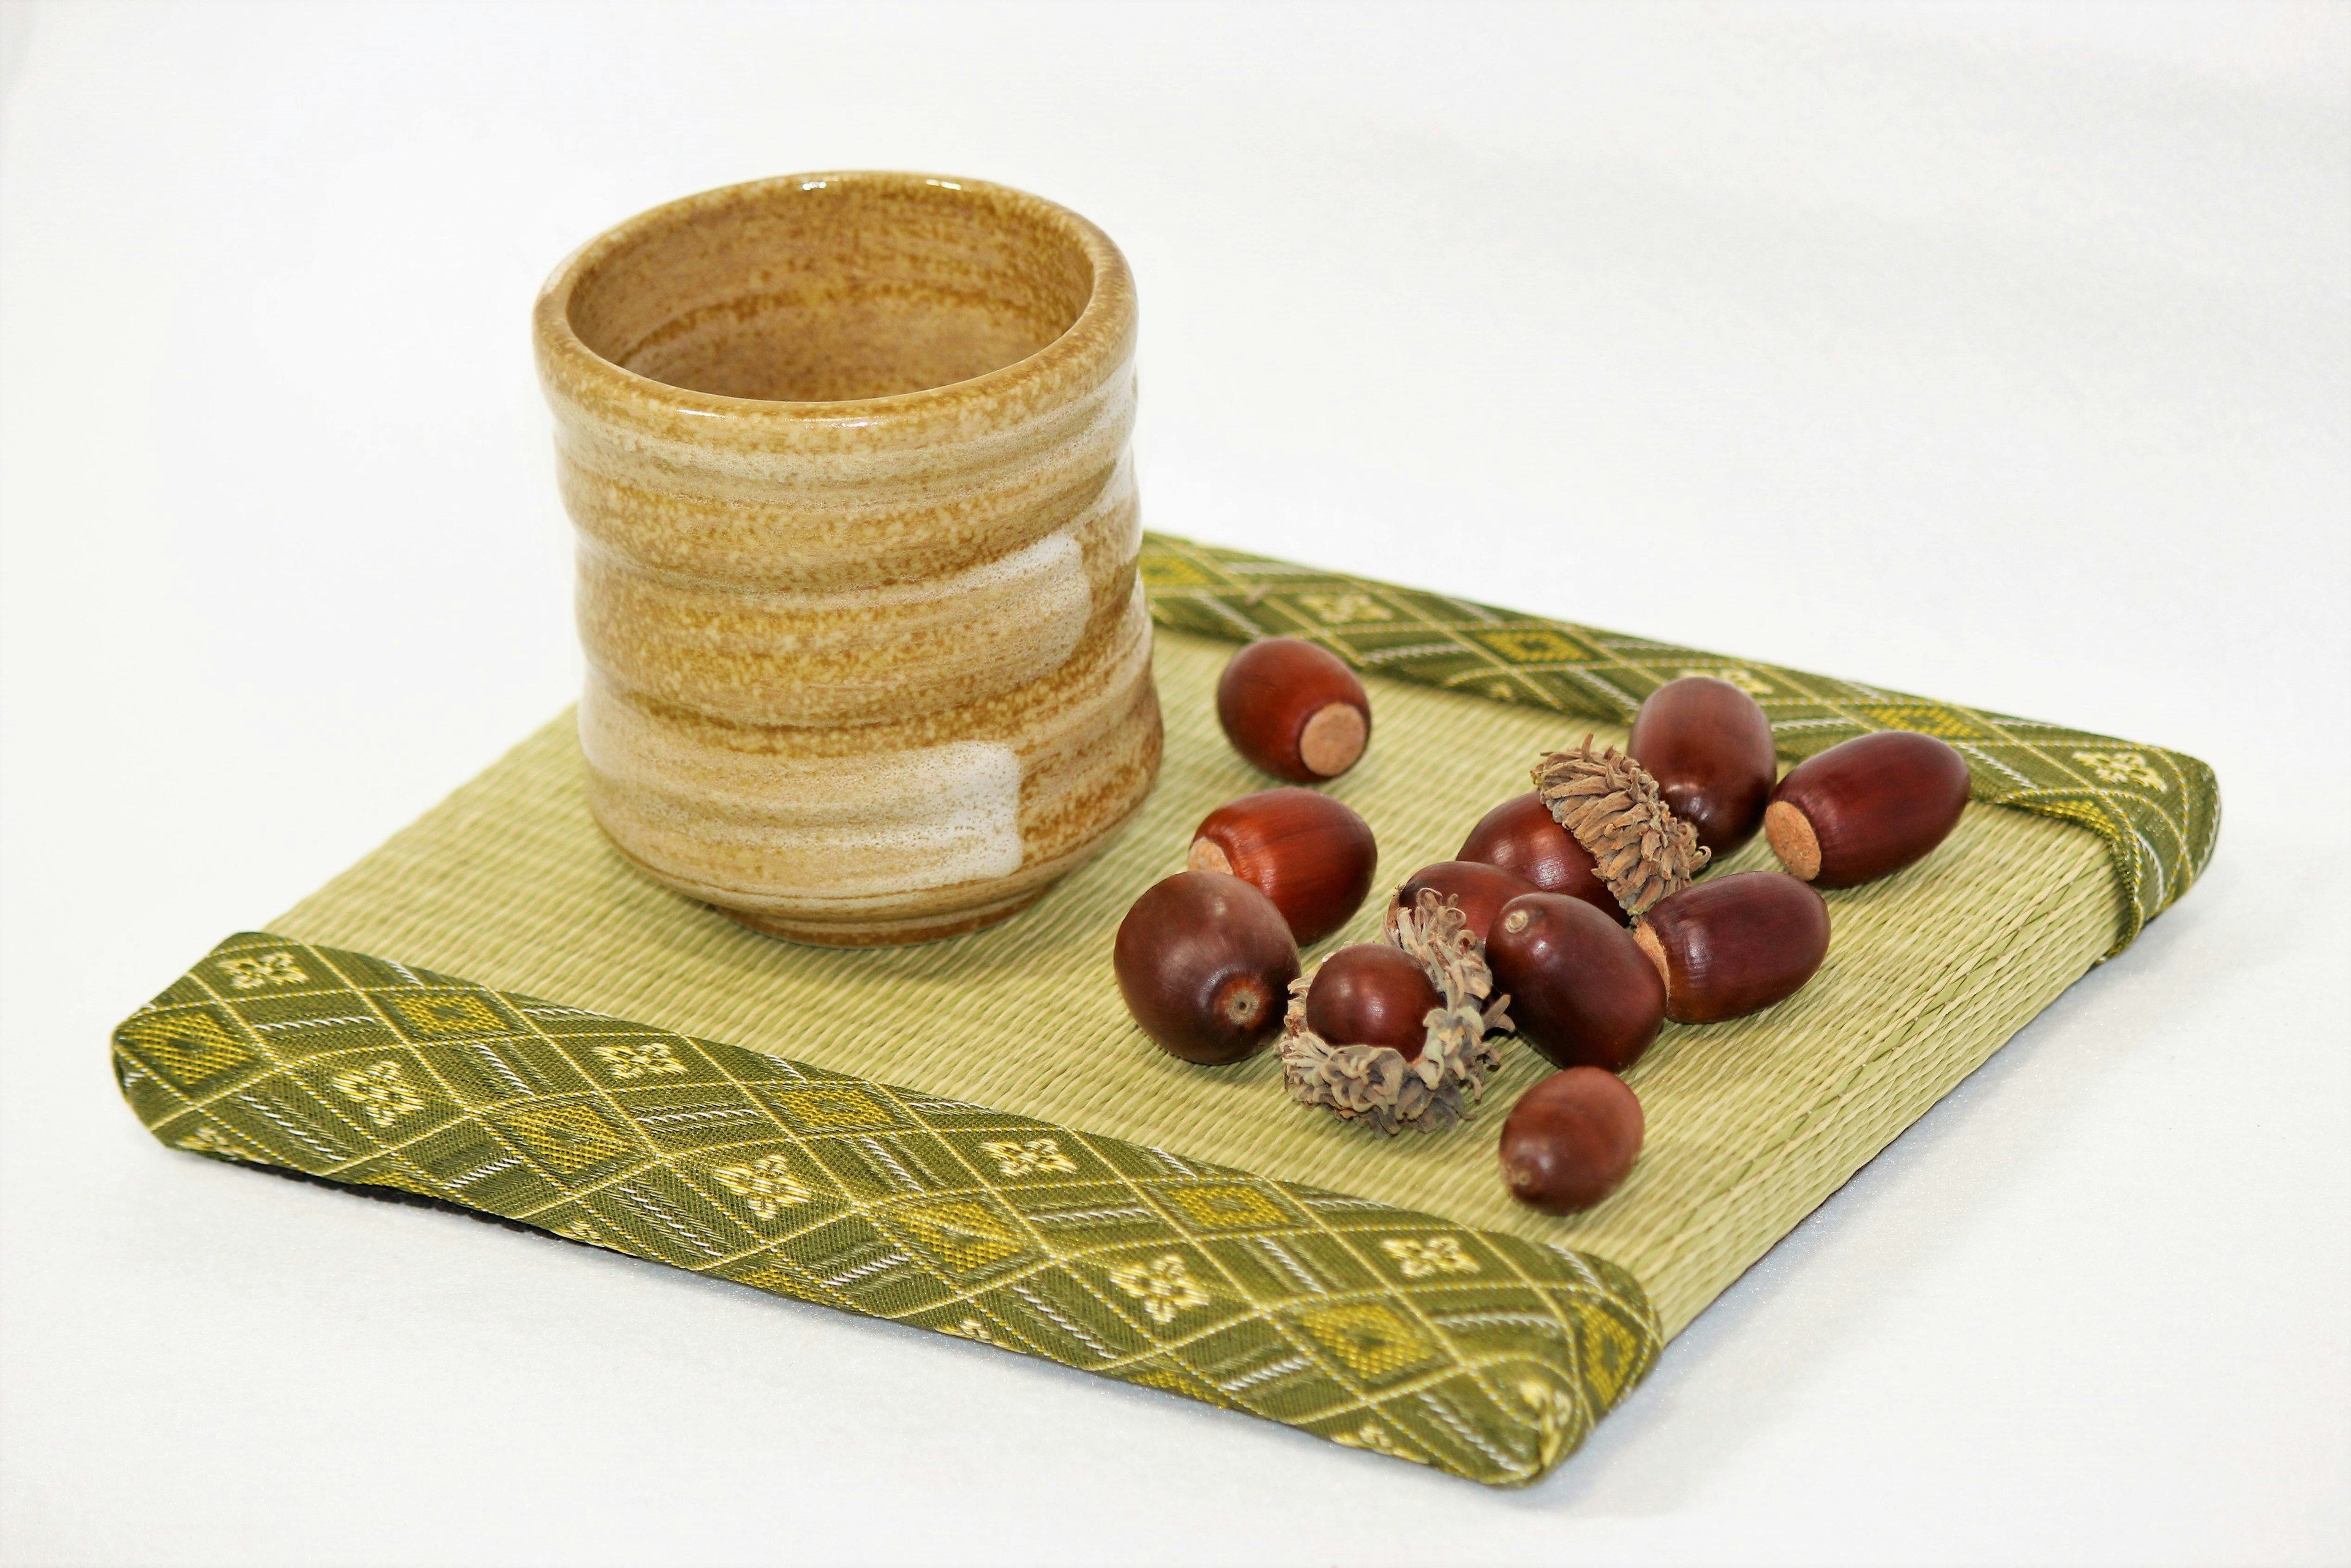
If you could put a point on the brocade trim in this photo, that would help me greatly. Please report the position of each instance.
(1371, 1325)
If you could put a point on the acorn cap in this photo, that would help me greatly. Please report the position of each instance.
(1611, 806)
(1375, 1081)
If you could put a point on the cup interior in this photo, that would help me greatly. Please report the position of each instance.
(834, 289)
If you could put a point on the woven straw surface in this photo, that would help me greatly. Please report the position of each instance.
(1751, 1123)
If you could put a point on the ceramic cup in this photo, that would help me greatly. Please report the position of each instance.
(868, 661)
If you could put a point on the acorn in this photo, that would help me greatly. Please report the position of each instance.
(1372, 994)
(1294, 709)
(1612, 807)
(1204, 961)
(1520, 836)
(1709, 746)
(1571, 1140)
(1581, 991)
(1867, 807)
(1476, 888)
(1390, 1080)
(1313, 856)
(1735, 944)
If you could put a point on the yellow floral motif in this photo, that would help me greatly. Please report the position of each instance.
(1747, 680)
(766, 1187)
(1163, 1286)
(210, 1139)
(263, 970)
(651, 1056)
(2121, 767)
(1032, 1158)
(381, 1091)
(1339, 608)
(1419, 1257)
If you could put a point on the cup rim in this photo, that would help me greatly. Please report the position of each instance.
(1085, 352)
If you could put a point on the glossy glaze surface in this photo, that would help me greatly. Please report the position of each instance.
(847, 455)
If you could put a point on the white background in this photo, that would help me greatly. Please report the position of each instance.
(2003, 355)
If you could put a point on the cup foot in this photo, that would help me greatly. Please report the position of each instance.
(898, 933)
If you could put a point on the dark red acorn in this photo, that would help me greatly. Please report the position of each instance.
(1313, 856)
(1294, 709)
(1205, 963)
(1867, 807)
(1371, 994)
(1733, 945)
(1709, 746)
(1478, 890)
(1571, 1140)
(1522, 837)
(1581, 991)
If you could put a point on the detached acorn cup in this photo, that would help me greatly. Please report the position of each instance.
(1867, 807)
(1294, 709)
(1709, 746)
(1392, 1082)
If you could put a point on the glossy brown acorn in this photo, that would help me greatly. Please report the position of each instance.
(1571, 1140)
(1294, 709)
(1709, 746)
(1478, 890)
(1205, 963)
(1522, 836)
(1371, 994)
(1582, 992)
(1734, 943)
(1313, 856)
(1867, 807)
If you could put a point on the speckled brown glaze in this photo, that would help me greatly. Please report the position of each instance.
(868, 661)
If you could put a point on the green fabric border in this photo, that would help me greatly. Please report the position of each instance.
(1372, 1325)
(2158, 810)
